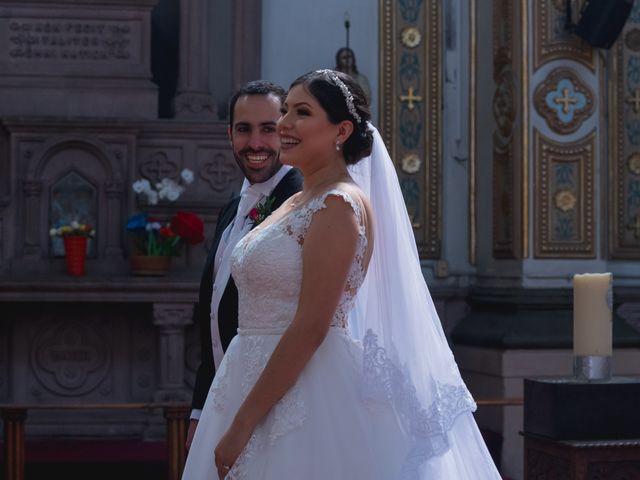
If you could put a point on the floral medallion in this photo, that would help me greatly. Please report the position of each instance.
(411, 37)
(565, 200)
(411, 163)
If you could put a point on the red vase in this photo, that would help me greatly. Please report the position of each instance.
(75, 253)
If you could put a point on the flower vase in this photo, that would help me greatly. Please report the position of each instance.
(75, 253)
(150, 265)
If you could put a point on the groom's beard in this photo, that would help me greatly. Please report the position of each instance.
(258, 171)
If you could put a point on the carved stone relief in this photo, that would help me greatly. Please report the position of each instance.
(159, 164)
(565, 204)
(218, 170)
(81, 58)
(71, 40)
(564, 101)
(143, 360)
(70, 358)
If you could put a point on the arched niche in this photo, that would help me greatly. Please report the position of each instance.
(72, 198)
(78, 179)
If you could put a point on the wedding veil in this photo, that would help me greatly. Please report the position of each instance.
(407, 360)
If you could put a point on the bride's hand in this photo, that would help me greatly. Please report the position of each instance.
(229, 448)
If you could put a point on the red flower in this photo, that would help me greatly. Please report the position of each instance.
(253, 214)
(166, 232)
(189, 227)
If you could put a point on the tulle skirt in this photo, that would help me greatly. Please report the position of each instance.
(323, 428)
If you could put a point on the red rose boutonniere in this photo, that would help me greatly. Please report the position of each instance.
(261, 211)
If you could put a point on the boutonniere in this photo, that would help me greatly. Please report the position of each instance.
(261, 211)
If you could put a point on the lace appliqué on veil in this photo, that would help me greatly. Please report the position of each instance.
(384, 381)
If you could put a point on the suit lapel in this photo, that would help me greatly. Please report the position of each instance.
(226, 217)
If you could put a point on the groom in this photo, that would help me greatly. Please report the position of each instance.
(253, 113)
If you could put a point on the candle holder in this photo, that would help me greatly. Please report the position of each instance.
(592, 367)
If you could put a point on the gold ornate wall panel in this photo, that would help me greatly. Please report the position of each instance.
(564, 100)
(506, 150)
(565, 197)
(624, 165)
(565, 103)
(552, 42)
(411, 110)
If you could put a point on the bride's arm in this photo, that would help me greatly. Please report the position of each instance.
(328, 252)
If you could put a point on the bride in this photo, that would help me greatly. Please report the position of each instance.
(340, 369)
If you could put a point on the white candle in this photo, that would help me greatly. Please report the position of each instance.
(592, 323)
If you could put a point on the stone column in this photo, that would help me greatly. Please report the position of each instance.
(171, 320)
(246, 41)
(193, 98)
(32, 193)
(114, 195)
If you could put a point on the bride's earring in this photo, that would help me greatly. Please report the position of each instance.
(337, 145)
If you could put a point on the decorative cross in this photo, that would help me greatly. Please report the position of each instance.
(157, 167)
(410, 98)
(565, 100)
(218, 172)
(635, 100)
(635, 227)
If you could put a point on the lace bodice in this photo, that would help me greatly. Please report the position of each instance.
(267, 268)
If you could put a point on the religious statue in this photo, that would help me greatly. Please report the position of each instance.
(346, 63)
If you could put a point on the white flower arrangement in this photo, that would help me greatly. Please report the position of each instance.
(166, 188)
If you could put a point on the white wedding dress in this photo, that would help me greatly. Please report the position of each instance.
(337, 422)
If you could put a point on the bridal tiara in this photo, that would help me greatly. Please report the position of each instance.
(348, 96)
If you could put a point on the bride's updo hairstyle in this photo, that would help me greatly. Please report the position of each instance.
(343, 99)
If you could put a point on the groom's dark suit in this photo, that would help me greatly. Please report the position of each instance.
(228, 309)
